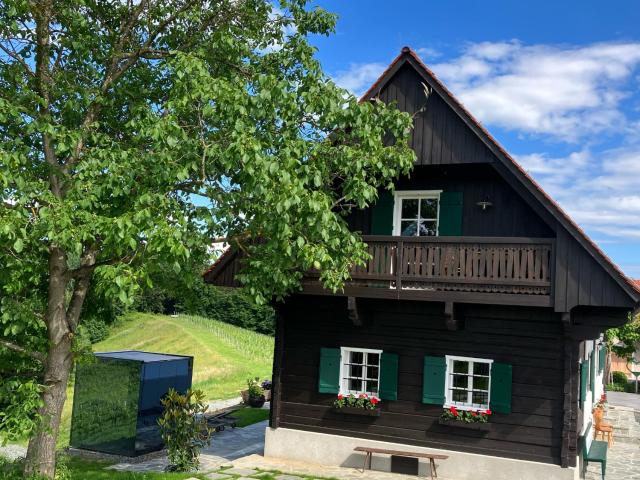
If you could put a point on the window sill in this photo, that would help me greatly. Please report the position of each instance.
(466, 408)
(357, 411)
(480, 426)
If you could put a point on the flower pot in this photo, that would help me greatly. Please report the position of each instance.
(256, 402)
(245, 396)
(365, 412)
(481, 426)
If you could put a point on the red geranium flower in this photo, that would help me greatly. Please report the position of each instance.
(474, 414)
(340, 396)
(375, 401)
(487, 412)
(453, 410)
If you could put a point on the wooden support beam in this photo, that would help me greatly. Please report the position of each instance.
(452, 320)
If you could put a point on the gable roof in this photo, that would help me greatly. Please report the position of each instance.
(407, 55)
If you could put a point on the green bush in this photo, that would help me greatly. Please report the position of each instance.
(620, 378)
(95, 328)
(615, 387)
(184, 429)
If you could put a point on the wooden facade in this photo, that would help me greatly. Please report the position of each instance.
(520, 284)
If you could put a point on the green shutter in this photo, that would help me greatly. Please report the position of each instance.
(592, 373)
(602, 358)
(433, 380)
(382, 214)
(501, 374)
(584, 379)
(450, 217)
(388, 376)
(329, 375)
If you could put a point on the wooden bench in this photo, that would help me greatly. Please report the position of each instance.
(431, 456)
(597, 452)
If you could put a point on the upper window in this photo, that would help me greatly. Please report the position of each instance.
(468, 382)
(360, 371)
(416, 213)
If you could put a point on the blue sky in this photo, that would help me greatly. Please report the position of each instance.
(557, 83)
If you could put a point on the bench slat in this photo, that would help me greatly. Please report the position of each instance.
(597, 452)
(401, 453)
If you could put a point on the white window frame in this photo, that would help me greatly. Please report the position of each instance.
(400, 195)
(449, 371)
(344, 356)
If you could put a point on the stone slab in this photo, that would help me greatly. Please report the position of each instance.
(217, 476)
(245, 472)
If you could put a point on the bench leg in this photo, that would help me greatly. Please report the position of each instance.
(367, 459)
(432, 467)
(604, 467)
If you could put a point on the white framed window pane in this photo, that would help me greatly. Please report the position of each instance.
(357, 357)
(481, 383)
(428, 228)
(373, 359)
(408, 228)
(429, 208)
(480, 398)
(372, 387)
(460, 381)
(460, 366)
(355, 384)
(481, 368)
(459, 396)
(409, 208)
(355, 371)
(373, 373)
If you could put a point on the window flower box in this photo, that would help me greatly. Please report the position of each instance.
(361, 405)
(357, 411)
(481, 426)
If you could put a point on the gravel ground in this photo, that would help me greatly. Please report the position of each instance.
(12, 452)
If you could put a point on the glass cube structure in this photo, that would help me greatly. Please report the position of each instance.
(116, 400)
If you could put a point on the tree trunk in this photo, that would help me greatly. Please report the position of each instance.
(41, 453)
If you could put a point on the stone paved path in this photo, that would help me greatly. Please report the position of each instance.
(225, 447)
(621, 399)
(292, 467)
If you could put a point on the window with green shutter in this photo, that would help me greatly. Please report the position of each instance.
(602, 358)
(584, 380)
(382, 214)
(450, 217)
(592, 373)
(433, 380)
(501, 378)
(388, 376)
(329, 375)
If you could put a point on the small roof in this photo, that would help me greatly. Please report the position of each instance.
(140, 356)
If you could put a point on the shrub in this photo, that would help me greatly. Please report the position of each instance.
(95, 328)
(620, 378)
(615, 387)
(184, 429)
(254, 388)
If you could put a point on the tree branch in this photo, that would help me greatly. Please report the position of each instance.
(17, 348)
(81, 287)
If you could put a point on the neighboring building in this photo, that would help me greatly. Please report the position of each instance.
(481, 293)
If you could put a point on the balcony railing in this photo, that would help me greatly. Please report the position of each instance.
(457, 264)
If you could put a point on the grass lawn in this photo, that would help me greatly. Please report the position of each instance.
(81, 469)
(248, 416)
(225, 356)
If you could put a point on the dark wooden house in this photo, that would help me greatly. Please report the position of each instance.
(481, 293)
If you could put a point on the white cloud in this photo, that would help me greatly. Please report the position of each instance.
(428, 53)
(359, 76)
(600, 191)
(559, 91)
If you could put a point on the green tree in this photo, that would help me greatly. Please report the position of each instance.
(623, 340)
(138, 132)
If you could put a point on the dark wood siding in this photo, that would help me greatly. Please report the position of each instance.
(528, 339)
(510, 215)
(439, 137)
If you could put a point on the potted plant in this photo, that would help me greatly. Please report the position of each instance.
(255, 393)
(469, 419)
(266, 386)
(360, 405)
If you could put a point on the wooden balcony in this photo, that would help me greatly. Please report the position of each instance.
(512, 271)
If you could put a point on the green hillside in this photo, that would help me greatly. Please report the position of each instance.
(225, 356)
